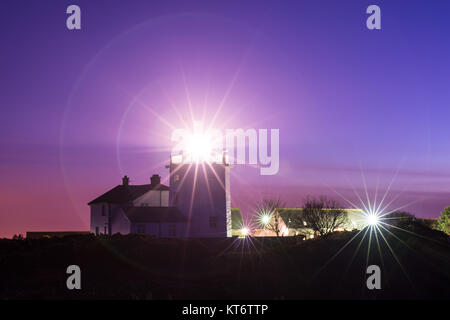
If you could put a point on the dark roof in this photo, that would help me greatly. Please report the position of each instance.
(154, 214)
(124, 194)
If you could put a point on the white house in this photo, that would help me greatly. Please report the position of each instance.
(196, 205)
(136, 209)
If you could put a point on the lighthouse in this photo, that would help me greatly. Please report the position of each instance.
(201, 191)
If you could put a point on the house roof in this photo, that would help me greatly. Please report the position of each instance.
(154, 214)
(126, 193)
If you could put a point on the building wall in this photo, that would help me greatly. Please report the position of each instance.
(159, 229)
(153, 199)
(202, 193)
(165, 199)
(119, 222)
(356, 219)
(99, 218)
(229, 228)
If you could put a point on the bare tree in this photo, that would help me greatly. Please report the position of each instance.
(323, 215)
(269, 217)
(18, 237)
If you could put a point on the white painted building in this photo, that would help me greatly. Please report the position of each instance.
(196, 205)
(136, 209)
(202, 193)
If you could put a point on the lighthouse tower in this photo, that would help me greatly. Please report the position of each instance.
(201, 191)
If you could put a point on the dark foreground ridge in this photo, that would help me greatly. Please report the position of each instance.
(142, 267)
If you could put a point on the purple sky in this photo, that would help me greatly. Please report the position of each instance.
(79, 109)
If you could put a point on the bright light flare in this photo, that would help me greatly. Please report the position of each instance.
(265, 219)
(245, 231)
(199, 147)
(372, 219)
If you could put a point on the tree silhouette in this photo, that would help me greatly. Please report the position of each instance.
(323, 215)
(268, 215)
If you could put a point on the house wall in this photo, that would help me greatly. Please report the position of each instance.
(356, 219)
(165, 198)
(153, 199)
(99, 218)
(119, 222)
(160, 229)
(201, 195)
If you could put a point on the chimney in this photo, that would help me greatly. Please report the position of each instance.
(125, 180)
(155, 179)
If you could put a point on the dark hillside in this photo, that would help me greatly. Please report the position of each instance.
(141, 267)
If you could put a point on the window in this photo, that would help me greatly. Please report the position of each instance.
(176, 177)
(213, 222)
(172, 230)
(177, 158)
(141, 228)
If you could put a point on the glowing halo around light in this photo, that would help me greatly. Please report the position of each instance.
(199, 146)
(245, 231)
(154, 105)
(376, 221)
(372, 219)
(265, 219)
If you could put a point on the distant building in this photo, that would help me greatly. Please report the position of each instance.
(237, 222)
(290, 218)
(355, 220)
(54, 234)
(279, 225)
(197, 204)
